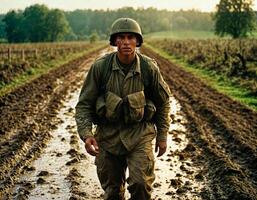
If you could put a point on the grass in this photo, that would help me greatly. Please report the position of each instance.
(186, 34)
(44, 68)
(221, 83)
(181, 35)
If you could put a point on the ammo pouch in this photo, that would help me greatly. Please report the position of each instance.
(113, 105)
(150, 110)
(134, 107)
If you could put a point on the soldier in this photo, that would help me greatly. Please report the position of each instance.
(125, 95)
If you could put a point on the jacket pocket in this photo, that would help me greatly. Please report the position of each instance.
(134, 109)
(113, 107)
(150, 110)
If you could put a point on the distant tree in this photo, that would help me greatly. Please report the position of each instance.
(93, 37)
(70, 36)
(235, 18)
(35, 22)
(14, 26)
(79, 21)
(2, 28)
(56, 24)
(180, 23)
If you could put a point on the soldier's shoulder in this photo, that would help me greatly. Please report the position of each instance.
(103, 57)
(149, 61)
(146, 58)
(99, 61)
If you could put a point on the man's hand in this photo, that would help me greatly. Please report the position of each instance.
(91, 146)
(161, 146)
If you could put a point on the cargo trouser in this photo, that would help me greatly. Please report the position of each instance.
(111, 171)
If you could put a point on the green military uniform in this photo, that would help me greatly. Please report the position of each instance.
(126, 126)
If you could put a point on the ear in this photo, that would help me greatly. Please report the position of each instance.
(137, 41)
(115, 40)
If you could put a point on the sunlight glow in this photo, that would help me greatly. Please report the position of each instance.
(201, 5)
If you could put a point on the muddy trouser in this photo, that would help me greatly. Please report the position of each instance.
(111, 173)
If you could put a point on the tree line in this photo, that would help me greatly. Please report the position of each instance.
(84, 22)
(38, 23)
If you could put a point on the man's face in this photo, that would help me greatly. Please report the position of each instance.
(126, 43)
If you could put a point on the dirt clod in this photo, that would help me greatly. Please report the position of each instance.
(41, 181)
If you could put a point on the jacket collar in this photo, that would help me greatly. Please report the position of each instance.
(134, 69)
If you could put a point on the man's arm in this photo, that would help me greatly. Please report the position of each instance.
(85, 108)
(161, 98)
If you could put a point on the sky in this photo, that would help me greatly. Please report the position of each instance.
(69, 5)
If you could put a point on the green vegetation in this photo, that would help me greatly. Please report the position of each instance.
(43, 66)
(36, 24)
(235, 18)
(181, 34)
(188, 34)
(222, 83)
(232, 58)
(39, 23)
(93, 37)
(164, 20)
(2, 29)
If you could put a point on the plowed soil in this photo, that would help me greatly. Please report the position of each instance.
(222, 133)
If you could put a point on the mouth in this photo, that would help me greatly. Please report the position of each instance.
(126, 49)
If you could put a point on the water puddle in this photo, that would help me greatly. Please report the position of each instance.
(48, 172)
(175, 174)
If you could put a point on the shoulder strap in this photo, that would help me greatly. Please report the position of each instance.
(145, 71)
(106, 71)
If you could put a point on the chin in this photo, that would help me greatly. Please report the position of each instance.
(127, 53)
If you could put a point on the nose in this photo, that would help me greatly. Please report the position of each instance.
(126, 40)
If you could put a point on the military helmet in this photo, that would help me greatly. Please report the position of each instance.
(125, 25)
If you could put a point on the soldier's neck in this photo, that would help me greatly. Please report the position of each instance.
(126, 59)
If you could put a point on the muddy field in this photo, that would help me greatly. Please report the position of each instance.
(212, 151)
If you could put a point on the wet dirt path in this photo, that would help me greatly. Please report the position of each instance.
(65, 171)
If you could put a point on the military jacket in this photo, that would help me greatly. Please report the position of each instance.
(116, 130)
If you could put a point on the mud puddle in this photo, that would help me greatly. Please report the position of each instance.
(175, 172)
(46, 176)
